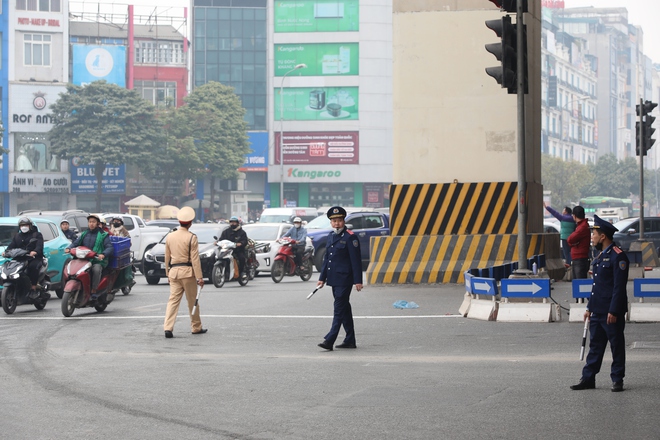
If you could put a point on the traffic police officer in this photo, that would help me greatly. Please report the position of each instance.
(184, 270)
(342, 267)
(607, 308)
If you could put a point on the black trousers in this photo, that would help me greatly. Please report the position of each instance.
(33, 270)
(580, 268)
(600, 334)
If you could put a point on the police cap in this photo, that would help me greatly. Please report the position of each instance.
(336, 212)
(604, 226)
(186, 214)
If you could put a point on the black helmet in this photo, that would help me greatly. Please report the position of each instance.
(24, 221)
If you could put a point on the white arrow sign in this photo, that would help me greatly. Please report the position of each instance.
(524, 288)
(649, 288)
(482, 286)
(584, 288)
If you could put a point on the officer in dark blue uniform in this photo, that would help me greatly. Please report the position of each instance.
(607, 308)
(342, 267)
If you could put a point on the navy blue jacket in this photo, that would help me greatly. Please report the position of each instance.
(90, 239)
(609, 294)
(342, 264)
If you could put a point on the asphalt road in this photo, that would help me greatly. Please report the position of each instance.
(423, 373)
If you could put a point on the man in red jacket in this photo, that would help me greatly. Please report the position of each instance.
(580, 241)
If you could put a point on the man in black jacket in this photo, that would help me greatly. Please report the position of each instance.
(30, 239)
(236, 234)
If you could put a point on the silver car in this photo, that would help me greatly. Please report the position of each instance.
(267, 233)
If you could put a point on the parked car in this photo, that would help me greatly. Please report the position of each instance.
(268, 233)
(629, 231)
(143, 237)
(154, 258)
(54, 245)
(365, 224)
(286, 215)
(77, 218)
(164, 223)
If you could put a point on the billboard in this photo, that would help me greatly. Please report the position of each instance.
(322, 59)
(258, 159)
(317, 103)
(318, 148)
(93, 63)
(317, 15)
(83, 180)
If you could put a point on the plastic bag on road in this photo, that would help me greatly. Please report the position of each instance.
(401, 304)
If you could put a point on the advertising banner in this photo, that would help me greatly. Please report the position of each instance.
(317, 15)
(92, 63)
(323, 59)
(39, 182)
(258, 159)
(317, 104)
(373, 195)
(318, 148)
(83, 180)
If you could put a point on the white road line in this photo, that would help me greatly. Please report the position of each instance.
(53, 318)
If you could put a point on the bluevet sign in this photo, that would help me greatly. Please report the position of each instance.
(525, 288)
(83, 180)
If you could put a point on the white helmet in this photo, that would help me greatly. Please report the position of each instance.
(297, 220)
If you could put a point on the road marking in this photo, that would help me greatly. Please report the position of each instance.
(53, 318)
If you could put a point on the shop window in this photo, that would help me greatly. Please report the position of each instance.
(160, 93)
(32, 153)
(38, 5)
(36, 49)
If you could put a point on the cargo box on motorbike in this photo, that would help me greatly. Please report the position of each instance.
(121, 257)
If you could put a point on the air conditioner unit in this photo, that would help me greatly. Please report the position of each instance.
(329, 10)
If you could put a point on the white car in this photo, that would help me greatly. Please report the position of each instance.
(267, 233)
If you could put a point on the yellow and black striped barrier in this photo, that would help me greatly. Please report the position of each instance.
(424, 259)
(454, 208)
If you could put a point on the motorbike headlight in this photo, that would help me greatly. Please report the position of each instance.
(148, 256)
(4, 276)
(207, 254)
(15, 276)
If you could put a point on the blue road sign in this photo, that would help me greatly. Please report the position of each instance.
(647, 287)
(526, 288)
(582, 288)
(468, 282)
(484, 286)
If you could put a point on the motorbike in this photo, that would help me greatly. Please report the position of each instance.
(226, 266)
(251, 262)
(78, 283)
(16, 284)
(284, 263)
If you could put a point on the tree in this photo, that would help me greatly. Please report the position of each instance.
(566, 180)
(102, 124)
(614, 178)
(214, 116)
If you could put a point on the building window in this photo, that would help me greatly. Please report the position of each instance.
(32, 153)
(39, 5)
(159, 93)
(155, 52)
(37, 49)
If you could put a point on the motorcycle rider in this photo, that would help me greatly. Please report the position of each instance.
(236, 234)
(68, 233)
(299, 235)
(99, 241)
(118, 229)
(30, 239)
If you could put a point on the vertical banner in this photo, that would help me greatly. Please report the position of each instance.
(317, 15)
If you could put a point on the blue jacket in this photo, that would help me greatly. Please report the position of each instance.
(342, 262)
(608, 294)
(298, 234)
(90, 239)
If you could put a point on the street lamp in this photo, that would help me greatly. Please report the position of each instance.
(298, 66)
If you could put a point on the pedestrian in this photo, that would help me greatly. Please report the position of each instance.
(68, 233)
(184, 271)
(606, 309)
(579, 241)
(342, 268)
(567, 226)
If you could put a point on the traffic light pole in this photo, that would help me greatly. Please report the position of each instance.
(642, 150)
(522, 173)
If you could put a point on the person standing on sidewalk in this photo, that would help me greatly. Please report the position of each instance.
(567, 226)
(184, 271)
(579, 241)
(342, 268)
(606, 309)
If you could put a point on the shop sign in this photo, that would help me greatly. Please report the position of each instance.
(318, 148)
(257, 160)
(39, 21)
(28, 106)
(312, 174)
(39, 183)
(83, 179)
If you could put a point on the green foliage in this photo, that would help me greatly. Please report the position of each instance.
(103, 123)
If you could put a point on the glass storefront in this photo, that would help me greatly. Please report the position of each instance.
(331, 194)
(33, 153)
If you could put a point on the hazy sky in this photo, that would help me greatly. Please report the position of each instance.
(645, 13)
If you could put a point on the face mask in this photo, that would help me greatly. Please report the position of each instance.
(25, 229)
(297, 225)
(337, 230)
(234, 227)
(116, 225)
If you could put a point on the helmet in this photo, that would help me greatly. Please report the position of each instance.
(95, 216)
(121, 220)
(233, 218)
(24, 221)
(297, 220)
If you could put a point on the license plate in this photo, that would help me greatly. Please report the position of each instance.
(162, 265)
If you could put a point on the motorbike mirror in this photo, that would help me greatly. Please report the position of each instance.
(215, 238)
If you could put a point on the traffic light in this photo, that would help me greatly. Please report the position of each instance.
(644, 110)
(506, 51)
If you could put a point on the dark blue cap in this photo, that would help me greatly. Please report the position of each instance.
(336, 212)
(604, 226)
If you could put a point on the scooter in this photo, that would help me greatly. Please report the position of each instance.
(284, 262)
(16, 284)
(226, 266)
(78, 285)
(252, 264)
